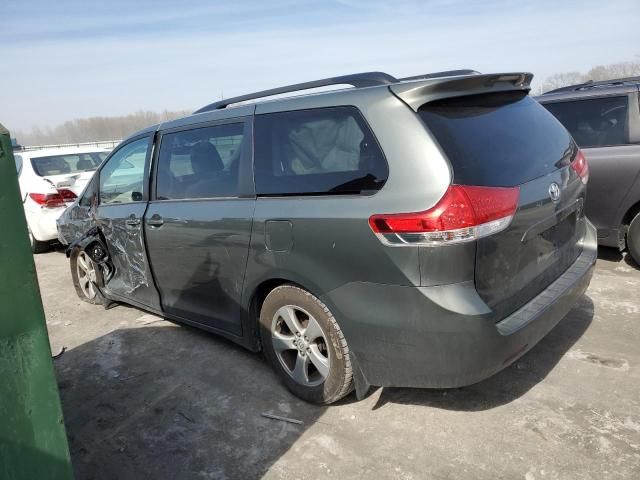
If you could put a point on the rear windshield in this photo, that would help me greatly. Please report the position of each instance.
(72, 163)
(498, 139)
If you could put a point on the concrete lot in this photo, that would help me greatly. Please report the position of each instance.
(145, 398)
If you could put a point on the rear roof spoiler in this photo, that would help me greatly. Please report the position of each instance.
(415, 94)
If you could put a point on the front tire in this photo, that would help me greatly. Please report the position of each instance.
(633, 239)
(84, 273)
(305, 346)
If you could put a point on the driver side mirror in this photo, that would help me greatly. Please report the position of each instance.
(136, 196)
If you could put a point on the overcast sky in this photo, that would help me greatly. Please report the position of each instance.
(67, 59)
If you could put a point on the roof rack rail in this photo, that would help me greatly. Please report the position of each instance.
(592, 84)
(367, 79)
(446, 73)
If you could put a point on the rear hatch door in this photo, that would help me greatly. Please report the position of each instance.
(507, 139)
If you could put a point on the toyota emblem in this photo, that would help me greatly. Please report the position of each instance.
(554, 191)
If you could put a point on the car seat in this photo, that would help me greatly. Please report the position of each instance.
(207, 168)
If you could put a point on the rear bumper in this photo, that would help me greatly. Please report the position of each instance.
(42, 222)
(445, 336)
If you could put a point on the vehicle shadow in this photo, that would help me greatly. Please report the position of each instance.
(509, 384)
(168, 401)
(614, 255)
(57, 247)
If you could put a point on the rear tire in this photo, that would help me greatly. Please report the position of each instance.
(305, 346)
(84, 273)
(633, 239)
(37, 246)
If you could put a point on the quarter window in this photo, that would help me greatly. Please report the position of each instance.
(594, 122)
(122, 177)
(200, 162)
(317, 152)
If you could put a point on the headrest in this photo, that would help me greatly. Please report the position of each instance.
(205, 158)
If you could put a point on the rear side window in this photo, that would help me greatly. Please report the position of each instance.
(594, 122)
(200, 163)
(498, 139)
(73, 163)
(325, 151)
(122, 177)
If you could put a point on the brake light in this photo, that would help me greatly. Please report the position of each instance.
(48, 200)
(581, 166)
(463, 214)
(67, 195)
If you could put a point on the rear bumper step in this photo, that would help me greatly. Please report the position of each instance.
(536, 307)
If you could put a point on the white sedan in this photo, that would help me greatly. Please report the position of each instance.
(50, 179)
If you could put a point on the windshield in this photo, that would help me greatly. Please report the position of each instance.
(70, 163)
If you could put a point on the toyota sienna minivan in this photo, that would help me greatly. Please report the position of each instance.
(419, 232)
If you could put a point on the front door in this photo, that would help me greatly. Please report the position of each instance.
(198, 224)
(122, 200)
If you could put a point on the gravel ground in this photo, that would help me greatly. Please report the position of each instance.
(146, 398)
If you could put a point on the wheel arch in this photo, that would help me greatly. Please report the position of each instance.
(631, 213)
(258, 295)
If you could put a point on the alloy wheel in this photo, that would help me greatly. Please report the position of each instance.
(86, 275)
(300, 345)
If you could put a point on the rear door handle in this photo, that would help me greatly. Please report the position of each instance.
(155, 221)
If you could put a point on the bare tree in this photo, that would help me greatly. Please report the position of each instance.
(558, 80)
(95, 128)
(615, 70)
(597, 73)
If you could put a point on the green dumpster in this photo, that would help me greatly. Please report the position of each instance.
(33, 443)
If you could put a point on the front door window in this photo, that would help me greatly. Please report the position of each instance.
(122, 178)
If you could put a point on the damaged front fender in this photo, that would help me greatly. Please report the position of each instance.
(94, 245)
(118, 246)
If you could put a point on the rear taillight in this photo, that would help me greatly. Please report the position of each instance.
(581, 166)
(67, 194)
(48, 200)
(463, 214)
